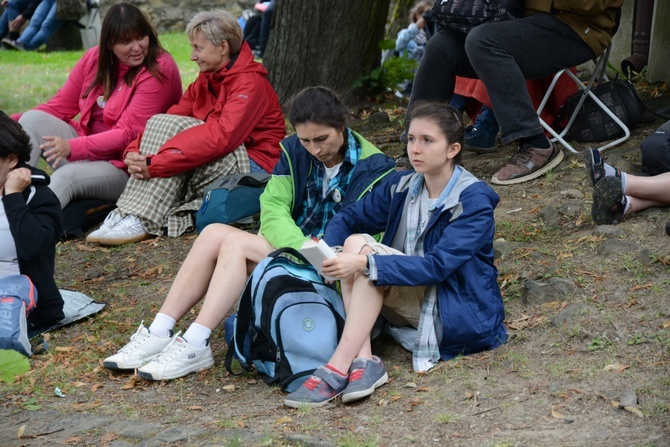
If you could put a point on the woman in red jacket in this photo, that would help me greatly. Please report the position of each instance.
(114, 89)
(229, 120)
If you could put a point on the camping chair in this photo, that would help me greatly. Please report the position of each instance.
(90, 24)
(597, 77)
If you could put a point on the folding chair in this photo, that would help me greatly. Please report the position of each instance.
(90, 24)
(598, 76)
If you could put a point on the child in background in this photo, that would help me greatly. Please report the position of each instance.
(432, 274)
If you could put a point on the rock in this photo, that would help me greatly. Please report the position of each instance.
(550, 216)
(179, 433)
(644, 256)
(502, 248)
(628, 398)
(572, 209)
(618, 161)
(609, 230)
(572, 194)
(134, 429)
(570, 311)
(555, 289)
(616, 247)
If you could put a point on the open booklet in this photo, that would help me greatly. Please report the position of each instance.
(317, 252)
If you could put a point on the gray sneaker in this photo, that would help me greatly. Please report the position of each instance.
(319, 389)
(365, 376)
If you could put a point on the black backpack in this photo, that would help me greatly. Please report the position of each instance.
(463, 15)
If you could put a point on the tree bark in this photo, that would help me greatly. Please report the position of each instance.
(330, 43)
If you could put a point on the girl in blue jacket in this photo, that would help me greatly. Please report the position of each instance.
(432, 276)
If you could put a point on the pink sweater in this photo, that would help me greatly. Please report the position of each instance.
(125, 114)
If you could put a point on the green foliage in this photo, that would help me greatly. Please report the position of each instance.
(386, 78)
(12, 363)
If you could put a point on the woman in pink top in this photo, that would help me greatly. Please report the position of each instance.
(114, 88)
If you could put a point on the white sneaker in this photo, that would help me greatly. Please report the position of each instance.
(142, 347)
(126, 231)
(178, 359)
(112, 219)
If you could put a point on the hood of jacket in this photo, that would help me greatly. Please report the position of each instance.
(242, 62)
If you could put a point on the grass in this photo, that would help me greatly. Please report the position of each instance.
(31, 78)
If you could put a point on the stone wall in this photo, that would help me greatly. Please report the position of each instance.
(173, 15)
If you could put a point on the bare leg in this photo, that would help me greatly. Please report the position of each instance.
(363, 303)
(217, 268)
(645, 192)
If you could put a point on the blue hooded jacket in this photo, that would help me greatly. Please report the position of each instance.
(458, 256)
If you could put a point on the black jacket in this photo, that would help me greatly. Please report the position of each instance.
(35, 223)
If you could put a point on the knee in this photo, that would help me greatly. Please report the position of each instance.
(656, 153)
(354, 244)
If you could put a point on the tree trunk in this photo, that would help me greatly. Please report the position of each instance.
(398, 17)
(329, 43)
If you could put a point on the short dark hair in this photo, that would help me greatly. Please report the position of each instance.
(448, 119)
(13, 139)
(318, 105)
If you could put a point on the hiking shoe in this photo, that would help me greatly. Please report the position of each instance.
(126, 231)
(178, 359)
(593, 161)
(480, 141)
(112, 219)
(11, 44)
(527, 164)
(365, 376)
(609, 201)
(319, 389)
(142, 347)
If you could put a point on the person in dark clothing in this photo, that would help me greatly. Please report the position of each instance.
(30, 223)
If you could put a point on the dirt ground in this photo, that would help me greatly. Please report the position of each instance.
(587, 362)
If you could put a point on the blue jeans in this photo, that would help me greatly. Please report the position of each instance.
(12, 10)
(503, 55)
(255, 167)
(486, 120)
(42, 25)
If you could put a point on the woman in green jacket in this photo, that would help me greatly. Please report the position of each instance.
(323, 168)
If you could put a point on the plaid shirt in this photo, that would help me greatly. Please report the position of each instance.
(319, 208)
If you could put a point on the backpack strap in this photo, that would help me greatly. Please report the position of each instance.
(242, 323)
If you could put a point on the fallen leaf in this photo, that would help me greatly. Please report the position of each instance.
(394, 398)
(634, 410)
(410, 385)
(22, 430)
(617, 367)
(241, 424)
(556, 414)
(229, 387)
(283, 420)
(195, 407)
(130, 384)
(666, 324)
(74, 440)
(640, 287)
(422, 389)
(65, 348)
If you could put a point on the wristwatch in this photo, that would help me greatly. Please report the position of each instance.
(366, 271)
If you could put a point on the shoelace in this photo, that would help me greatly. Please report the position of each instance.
(521, 157)
(171, 351)
(312, 383)
(356, 374)
(135, 340)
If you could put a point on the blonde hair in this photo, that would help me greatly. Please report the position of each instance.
(217, 26)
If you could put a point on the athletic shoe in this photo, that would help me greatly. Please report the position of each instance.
(480, 141)
(112, 219)
(609, 201)
(319, 389)
(13, 44)
(595, 167)
(178, 359)
(142, 347)
(527, 164)
(126, 231)
(365, 376)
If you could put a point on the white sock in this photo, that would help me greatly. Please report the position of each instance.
(162, 325)
(197, 335)
(623, 182)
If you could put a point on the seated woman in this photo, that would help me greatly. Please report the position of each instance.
(617, 194)
(433, 273)
(228, 121)
(323, 168)
(43, 23)
(30, 223)
(114, 89)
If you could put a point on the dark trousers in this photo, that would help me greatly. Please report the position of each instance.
(503, 55)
